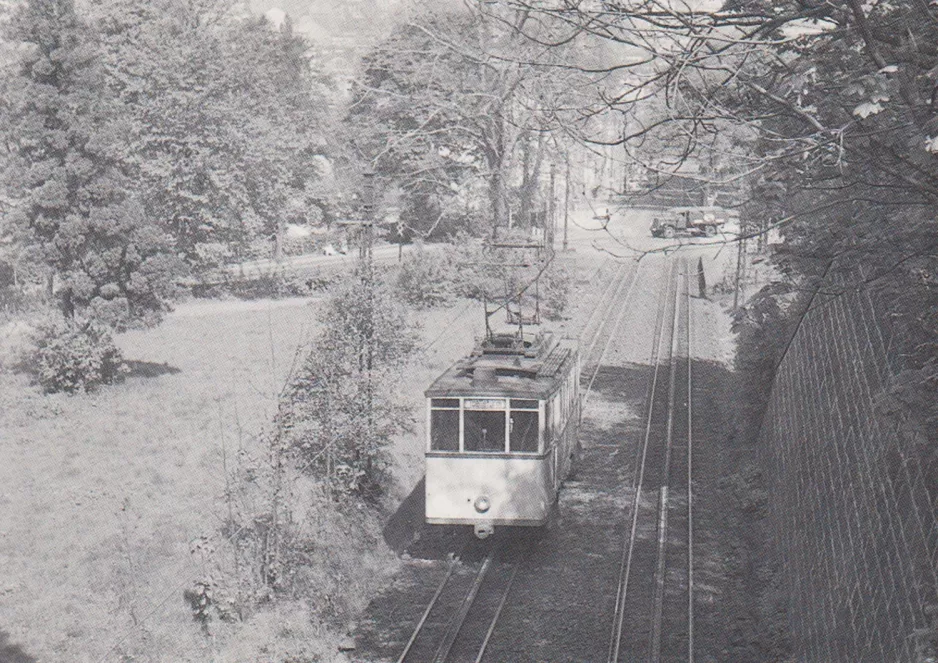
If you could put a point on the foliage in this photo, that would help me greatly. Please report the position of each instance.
(200, 600)
(764, 326)
(224, 114)
(498, 275)
(426, 279)
(445, 111)
(71, 356)
(288, 533)
(274, 284)
(474, 276)
(554, 290)
(342, 411)
(827, 110)
(75, 204)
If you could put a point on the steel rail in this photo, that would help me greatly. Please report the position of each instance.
(498, 613)
(612, 335)
(426, 612)
(618, 281)
(456, 624)
(614, 281)
(638, 478)
(430, 605)
(614, 286)
(663, 495)
(690, 475)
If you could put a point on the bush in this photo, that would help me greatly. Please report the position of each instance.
(554, 291)
(426, 279)
(276, 284)
(15, 297)
(17, 345)
(480, 272)
(73, 356)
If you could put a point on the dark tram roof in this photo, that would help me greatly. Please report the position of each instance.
(508, 366)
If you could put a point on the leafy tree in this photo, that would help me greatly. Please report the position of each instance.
(447, 109)
(72, 194)
(225, 114)
(342, 412)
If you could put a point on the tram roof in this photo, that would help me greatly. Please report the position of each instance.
(532, 372)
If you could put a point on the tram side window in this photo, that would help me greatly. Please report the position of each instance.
(444, 424)
(484, 430)
(523, 430)
(523, 433)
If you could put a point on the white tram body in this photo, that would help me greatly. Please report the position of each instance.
(502, 433)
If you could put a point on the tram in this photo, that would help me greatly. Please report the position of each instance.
(502, 430)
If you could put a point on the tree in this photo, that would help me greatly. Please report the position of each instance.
(342, 412)
(226, 118)
(441, 111)
(73, 198)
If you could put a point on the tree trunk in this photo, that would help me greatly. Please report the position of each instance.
(495, 156)
(278, 242)
(497, 199)
(531, 171)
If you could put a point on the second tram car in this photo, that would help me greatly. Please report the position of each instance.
(502, 432)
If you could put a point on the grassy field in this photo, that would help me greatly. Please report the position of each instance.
(102, 496)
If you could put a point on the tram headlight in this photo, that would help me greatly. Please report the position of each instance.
(482, 504)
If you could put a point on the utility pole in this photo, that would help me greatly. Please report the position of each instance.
(740, 255)
(368, 207)
(566, 204)
(367, 353)
(549, 229)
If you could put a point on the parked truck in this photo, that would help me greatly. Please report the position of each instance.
(691, 221)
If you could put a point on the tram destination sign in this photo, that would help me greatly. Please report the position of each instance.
(484, 403)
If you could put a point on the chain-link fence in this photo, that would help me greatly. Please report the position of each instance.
(854, 516)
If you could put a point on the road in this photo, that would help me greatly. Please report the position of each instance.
(316, 261)
(625, 234)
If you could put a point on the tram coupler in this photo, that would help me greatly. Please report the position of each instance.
(483, 530)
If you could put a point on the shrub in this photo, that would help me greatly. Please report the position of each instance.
(426, 279)
(554, 291)
(73, 356)
(342, 410)
(481, 272)
(17, 344)
(275, 284)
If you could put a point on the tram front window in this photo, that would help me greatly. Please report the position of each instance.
(523, 433)
(444, 430)
(484, 430)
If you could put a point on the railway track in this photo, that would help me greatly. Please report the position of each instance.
(463, 612)
(653, 615)
(613, 304)
(459, 620)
